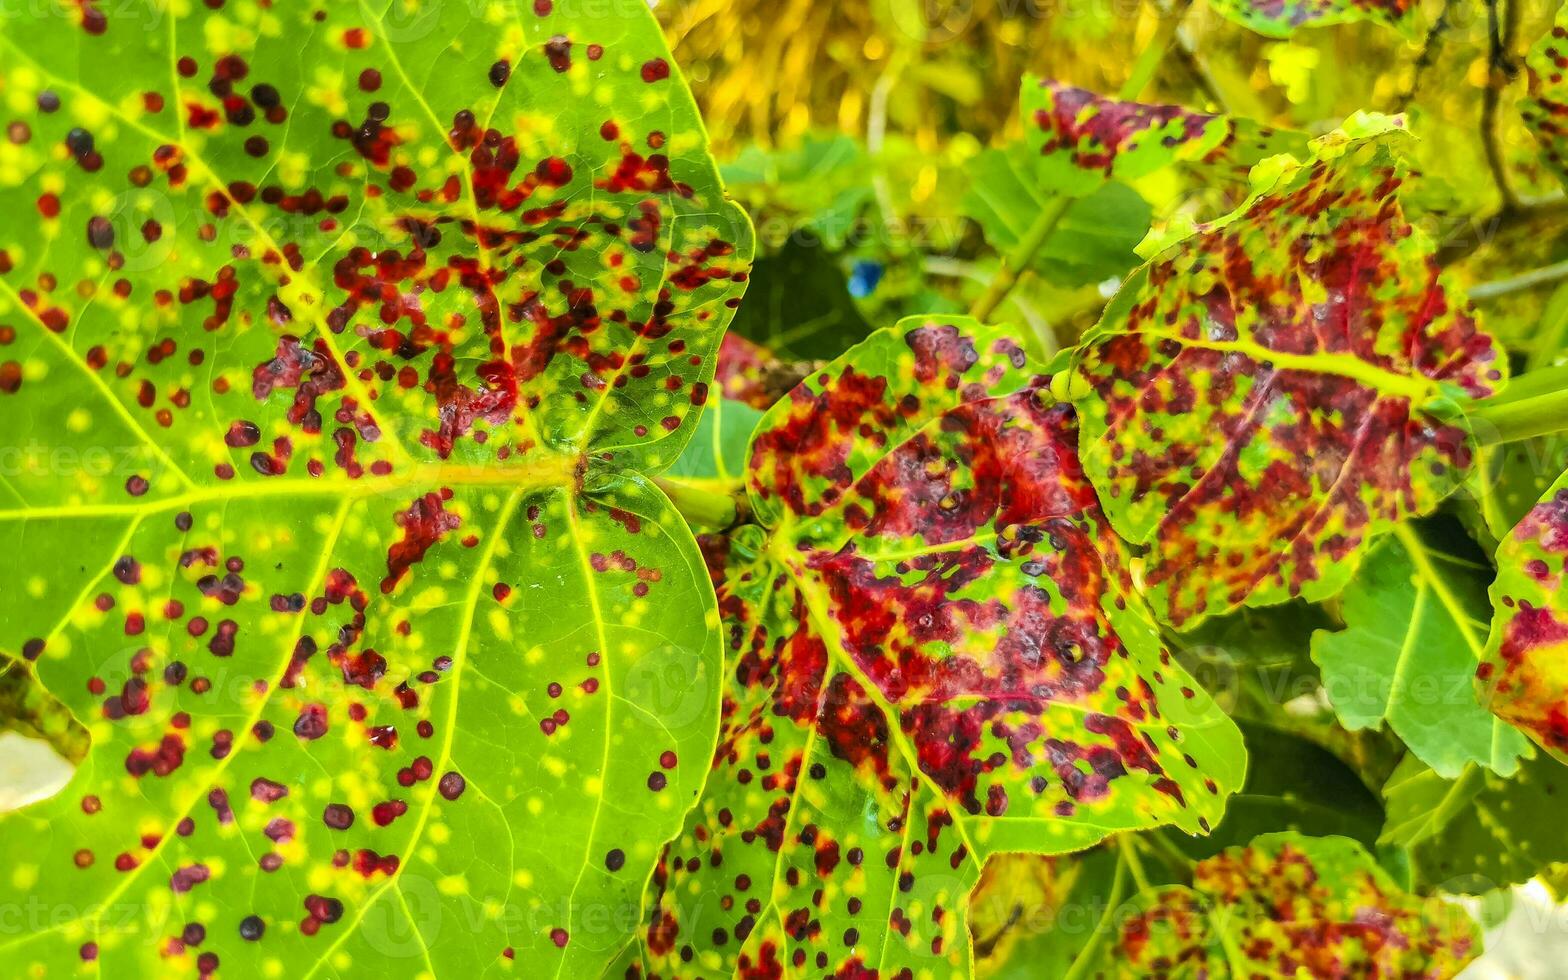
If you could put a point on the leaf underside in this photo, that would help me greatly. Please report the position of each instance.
(1524, 674)
(1254, 401)
(1287, 905)
(336, 346)
(934, 654)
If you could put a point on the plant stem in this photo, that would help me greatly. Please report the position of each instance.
(1020, 258)
(1161, 847)
(1552, 334)
(1051, 215)
(1498, 421)
(1526, 280)
(1501, 71)
(1113, 902)
(1149, 58)
(1129, 846)
(701, 508)
(1532, 384)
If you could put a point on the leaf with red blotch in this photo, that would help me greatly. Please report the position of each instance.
(1524, 672)
(1264, 399)
(935, 654)
(1545, 109)
(1085, 140)
(1281, 18)
(1288, 905)
(337, 345)
(743, 371)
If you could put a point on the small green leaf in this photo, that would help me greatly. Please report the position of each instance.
(718, 451)
(1481, 831)
(798, 305)
(1261, 401)
(1030, 913)
(935, 654)
(1524, 674)
(1094, 240)
(1510, 479)
(1254, 661)
(1287, 905)
(1420, 803)
(818, 187)
(1413, 637)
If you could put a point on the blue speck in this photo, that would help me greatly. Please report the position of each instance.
(863, 278)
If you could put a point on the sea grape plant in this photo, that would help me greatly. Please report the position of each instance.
(425, 584)
(381, 330)
(937, 656)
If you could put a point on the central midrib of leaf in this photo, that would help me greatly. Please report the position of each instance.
(822, 619)
(1414, 387)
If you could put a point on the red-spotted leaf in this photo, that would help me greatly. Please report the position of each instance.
(1287, 905)
(743, 368)
(1084, 139)
(934, 654)
(1524, 673)
(1280, 18)
(337, 342)
(1545, 108)
(1261, 401)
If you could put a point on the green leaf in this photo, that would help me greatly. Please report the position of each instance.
(1254, 661)
(936, 654)
(1545, 107)
(718, 451)
(1030, 913)
(341, 344)
(798, 305)
(1287, 905)
(819, 186)
(1482, 831)
(1511, 477)
(1274, 19)
(1292, 784)
(1523, 676)
(1085, 140)
(1266, 398)
(1413, 637)
(1093, 241)
(1420, 803)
